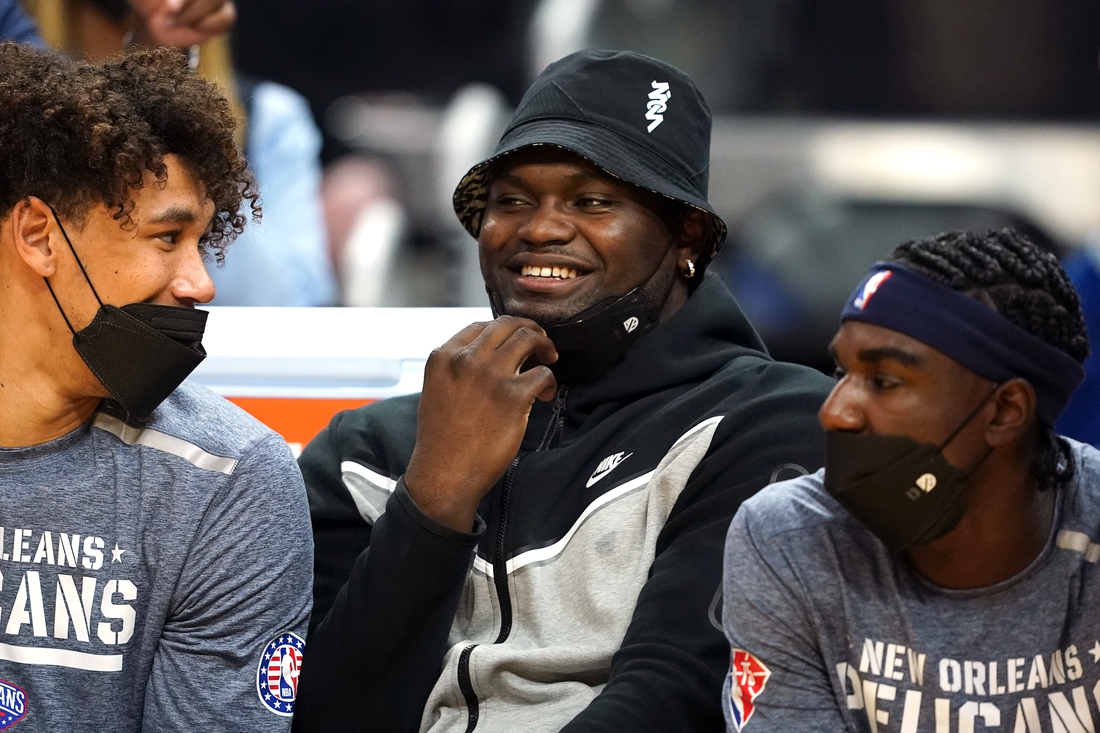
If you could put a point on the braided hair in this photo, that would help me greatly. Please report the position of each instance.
(1025, 284)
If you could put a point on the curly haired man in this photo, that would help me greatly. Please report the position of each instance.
(155, 547)
(940, 574)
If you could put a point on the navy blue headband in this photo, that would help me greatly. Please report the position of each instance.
(967, 330)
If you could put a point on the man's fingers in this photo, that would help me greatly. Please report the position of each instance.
(498, 331)
(219, 23)
(465, 337)
(196, 12)
(522, 345)
(537, 383)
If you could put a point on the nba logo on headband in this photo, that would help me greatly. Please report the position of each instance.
(871, 287)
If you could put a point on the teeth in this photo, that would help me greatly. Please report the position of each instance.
(561, 273)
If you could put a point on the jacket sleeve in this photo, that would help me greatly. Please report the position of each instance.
(668, 673)
(769, 628)
(379, 651)
(376, 441)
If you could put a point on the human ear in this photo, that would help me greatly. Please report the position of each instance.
(32, 224)
(692, 235)
(1015, 408)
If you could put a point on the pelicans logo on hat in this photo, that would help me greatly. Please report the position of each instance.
(277, 674)
(13, 704)
(748, 675)
(871, 287)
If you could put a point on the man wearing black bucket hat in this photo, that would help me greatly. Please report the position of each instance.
(544, 523)
(940, 575)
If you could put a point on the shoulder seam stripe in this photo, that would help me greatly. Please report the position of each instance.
(157, 440)
(382, 482)
(545, 553)
(1078, 542)
(705, 424)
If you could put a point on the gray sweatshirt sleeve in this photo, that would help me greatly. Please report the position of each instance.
(235, 632)
(777, 674)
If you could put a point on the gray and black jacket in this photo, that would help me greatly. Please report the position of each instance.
(587, 599)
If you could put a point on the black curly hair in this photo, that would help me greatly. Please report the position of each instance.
(76, 134)
(1025, 284)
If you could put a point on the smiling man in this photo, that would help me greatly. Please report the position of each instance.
(543, 524)
(940, 573)
(154, 542)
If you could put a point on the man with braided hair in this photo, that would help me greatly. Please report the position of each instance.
(128, 601)
(940, 573)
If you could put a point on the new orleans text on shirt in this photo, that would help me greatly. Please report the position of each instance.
(901, 689)
(61, 593)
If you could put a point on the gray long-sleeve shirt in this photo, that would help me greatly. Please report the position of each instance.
(830, 632)
(149, 577)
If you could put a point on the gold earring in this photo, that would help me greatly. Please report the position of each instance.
(689, 269)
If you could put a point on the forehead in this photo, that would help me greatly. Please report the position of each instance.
(180, 186)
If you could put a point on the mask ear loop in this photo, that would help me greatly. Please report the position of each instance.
(965, 422)
(969, 417)
(82, 270)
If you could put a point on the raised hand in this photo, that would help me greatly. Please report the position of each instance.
(182, 23)
(473, 414)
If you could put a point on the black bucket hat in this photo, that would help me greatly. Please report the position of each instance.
(639, 119)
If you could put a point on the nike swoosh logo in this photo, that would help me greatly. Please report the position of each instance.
(615, 463)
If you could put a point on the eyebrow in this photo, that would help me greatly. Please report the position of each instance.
(883, 353)
(174, 215)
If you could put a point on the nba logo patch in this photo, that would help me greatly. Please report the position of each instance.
(871, 287)
(277, 675)
(13, 704)
(748, 675)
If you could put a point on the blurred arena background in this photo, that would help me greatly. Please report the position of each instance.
(842, 127)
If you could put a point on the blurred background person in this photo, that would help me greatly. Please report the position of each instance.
(15, 25)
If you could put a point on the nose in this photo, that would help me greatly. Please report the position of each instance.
(842, 410)
(192, 283)
(548, 224)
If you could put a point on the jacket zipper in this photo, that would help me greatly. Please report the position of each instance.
(500, 566)
(467, 688)
(557, 420)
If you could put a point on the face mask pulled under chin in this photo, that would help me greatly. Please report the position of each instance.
(592, 342)
(140, 352)
(906, 493)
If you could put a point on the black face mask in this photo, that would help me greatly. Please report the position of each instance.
(904, 492)
(592, 342)
(140, 352)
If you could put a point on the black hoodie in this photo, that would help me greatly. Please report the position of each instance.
(588, 599)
